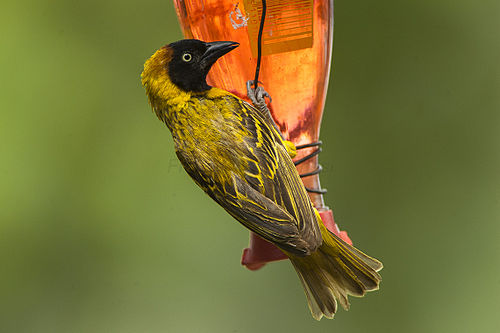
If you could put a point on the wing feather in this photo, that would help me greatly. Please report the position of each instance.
(264, 192)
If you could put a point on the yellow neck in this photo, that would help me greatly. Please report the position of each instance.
(167, 100)
(164, 96)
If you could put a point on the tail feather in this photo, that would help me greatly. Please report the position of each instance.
(333, 272)
(321, 300)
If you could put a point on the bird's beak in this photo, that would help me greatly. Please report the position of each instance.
(216, 50)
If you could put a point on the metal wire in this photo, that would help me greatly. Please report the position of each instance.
(307, 157)
(255, 84)
(259, 44)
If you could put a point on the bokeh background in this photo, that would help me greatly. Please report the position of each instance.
(102, 231)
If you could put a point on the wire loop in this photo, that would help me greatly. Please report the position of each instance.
(307, 157)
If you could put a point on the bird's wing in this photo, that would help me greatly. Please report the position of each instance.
(268, 197)
(263, 216)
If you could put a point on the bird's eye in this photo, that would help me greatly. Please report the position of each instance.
(187, 57)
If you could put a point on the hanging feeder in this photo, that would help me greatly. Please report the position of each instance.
(292, 43)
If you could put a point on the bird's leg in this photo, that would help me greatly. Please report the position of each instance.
(258, 98)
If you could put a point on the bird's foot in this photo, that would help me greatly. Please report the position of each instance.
(258, 96)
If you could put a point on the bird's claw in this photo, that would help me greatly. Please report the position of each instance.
(261, 94)
(258, 98)
(257, 95)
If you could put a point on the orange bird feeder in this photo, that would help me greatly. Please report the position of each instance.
(296, 50)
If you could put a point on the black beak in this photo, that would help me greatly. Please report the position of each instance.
(215, 50)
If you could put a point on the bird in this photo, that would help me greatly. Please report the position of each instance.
(235, 153)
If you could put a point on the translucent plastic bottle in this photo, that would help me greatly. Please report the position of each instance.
(295, 67)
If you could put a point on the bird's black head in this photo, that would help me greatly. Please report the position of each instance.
(192, 59)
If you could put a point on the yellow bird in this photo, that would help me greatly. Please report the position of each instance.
(237, 156)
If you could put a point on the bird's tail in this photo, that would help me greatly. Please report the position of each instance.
(334, 271)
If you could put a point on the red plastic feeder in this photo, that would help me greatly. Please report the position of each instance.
(297, 40)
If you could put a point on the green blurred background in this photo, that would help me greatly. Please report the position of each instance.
(102, 231)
